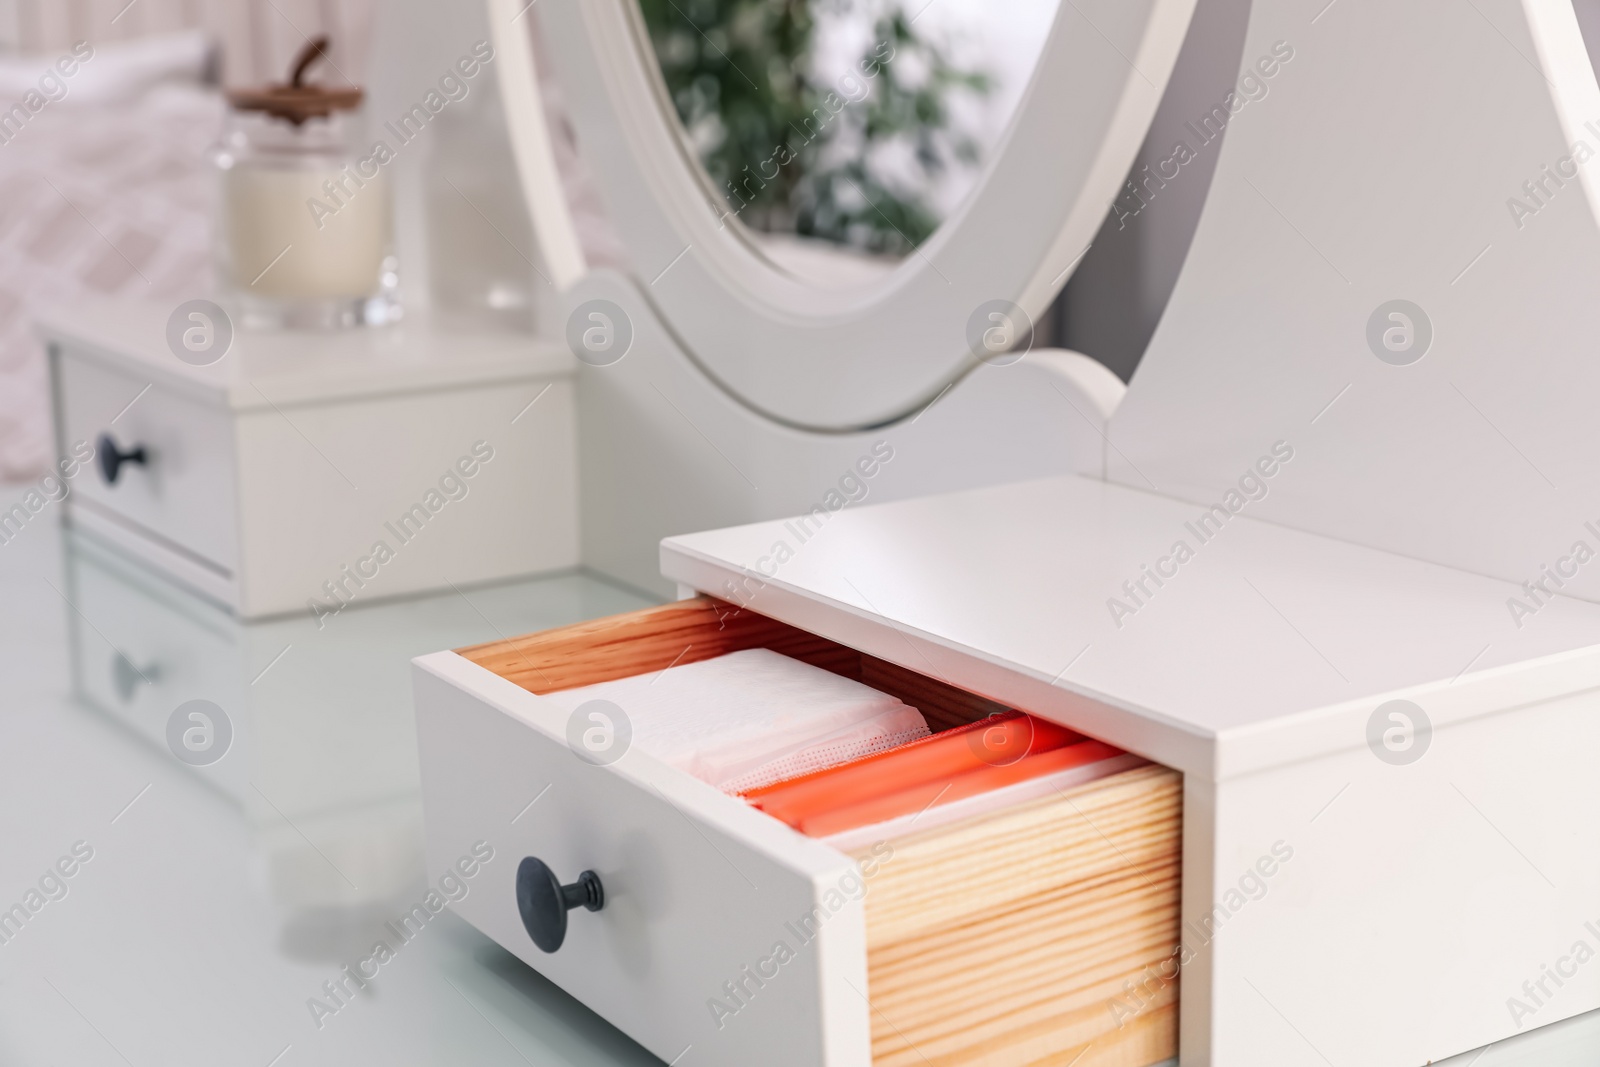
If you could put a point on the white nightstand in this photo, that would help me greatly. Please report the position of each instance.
(302, 472)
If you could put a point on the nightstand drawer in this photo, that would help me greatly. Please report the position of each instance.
(176, 485)
(1008, 937)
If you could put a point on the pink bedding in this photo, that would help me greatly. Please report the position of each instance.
(97, 196)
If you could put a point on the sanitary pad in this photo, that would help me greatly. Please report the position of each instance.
(755, 717)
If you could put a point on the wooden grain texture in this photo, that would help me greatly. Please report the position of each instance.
(688, 631)
(1008, 938)
(943, 705)
(652, 639)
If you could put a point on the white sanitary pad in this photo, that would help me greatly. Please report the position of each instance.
(755, 717)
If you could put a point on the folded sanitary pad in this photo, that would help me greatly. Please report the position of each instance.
(751, 718)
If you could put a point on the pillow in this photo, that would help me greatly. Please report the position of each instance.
(109, 72)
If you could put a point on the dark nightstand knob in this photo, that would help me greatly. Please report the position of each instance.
(544, 901)
(112, 458)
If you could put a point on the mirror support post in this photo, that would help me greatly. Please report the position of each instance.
(530, 143)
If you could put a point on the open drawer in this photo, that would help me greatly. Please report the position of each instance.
(1040, 933)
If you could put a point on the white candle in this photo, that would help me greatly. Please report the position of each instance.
(278, 247)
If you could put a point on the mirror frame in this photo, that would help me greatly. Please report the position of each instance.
(829, 360)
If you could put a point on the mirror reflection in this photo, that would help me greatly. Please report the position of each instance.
(839, 134)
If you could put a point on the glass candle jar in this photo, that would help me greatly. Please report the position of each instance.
(306, 234)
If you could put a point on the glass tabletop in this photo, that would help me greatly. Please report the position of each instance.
(204, 822)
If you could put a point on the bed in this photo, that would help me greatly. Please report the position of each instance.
(105, 187)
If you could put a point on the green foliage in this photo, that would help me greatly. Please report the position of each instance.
(792, 155)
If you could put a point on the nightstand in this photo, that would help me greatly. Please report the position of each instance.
(305, 472)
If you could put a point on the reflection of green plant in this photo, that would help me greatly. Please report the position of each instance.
(792, 154)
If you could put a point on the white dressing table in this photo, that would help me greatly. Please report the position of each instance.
(135, 957)
(1386, 790)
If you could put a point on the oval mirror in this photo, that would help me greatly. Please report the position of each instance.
(845, 275)
(839, 134)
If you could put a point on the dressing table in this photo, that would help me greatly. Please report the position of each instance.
(1281, 572)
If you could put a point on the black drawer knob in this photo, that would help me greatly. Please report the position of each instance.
(544, 901)
(112, 458)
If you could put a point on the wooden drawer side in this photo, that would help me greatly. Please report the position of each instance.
(1007, 939)
(688, 631)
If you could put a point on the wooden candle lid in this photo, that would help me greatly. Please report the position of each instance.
(296, 101)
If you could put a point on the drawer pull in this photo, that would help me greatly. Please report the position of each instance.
(544, 901)
(112, 458)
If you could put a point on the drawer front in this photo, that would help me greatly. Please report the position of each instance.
(184, 492)
(709, 948)
(1040, 929)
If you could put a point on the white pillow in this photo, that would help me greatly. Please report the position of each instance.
(110, 71)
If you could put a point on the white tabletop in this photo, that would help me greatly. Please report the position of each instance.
(193, 937)
(1269, 645)
(287, 367)
(172, 946)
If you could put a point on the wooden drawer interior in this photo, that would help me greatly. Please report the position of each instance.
(1041, 934)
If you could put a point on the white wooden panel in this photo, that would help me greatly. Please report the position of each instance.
(662, 452)
(1334, 195)
(322, 484)
(1418, 901)
(698, 885)
(300, 367)
(1269, 646)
